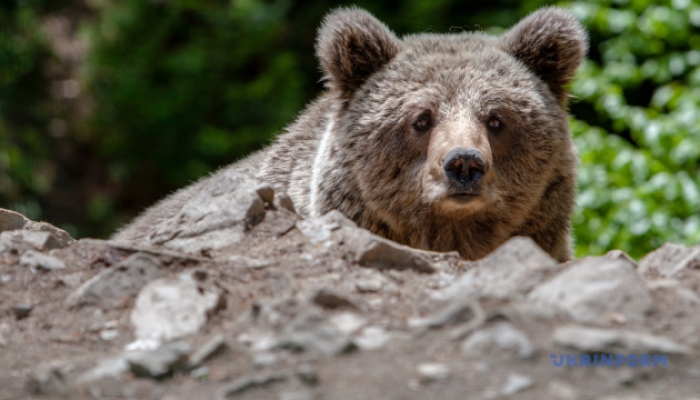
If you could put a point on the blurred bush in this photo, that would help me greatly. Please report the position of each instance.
(638, 126)
(169, 90)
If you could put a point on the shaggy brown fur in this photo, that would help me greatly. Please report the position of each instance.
(358, 148)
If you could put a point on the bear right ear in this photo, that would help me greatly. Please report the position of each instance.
(552, 43)
(352, 45)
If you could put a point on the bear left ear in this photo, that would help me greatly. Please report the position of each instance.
(552, 43)
(352, 45)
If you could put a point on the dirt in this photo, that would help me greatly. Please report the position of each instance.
(303, 314)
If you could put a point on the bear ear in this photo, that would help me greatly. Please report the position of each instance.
(552, 43)
(352, 45)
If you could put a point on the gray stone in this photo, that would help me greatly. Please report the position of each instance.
(282, 201)
(24, 239)
(320, 229)
(516, 383)
(620, 255)
(215, 218)
(586, 339)
(47, 379)
(458, 311)
(502, 337)
(332, 299)
(307, 374)
(669, 260)
(250, 382)
(168, 309)
(431, 372)
(38, 261)
(11, 220)
(107, 368)
(369, 284)
(372, 338)
(59, 237)
(311, 331)
(160, 362)
(22, 311)
(111, 285)
(372, 251)
(560, 390)
(266, 193)
(347, 322)
(213, 346)
(592, 288)
(512, 270)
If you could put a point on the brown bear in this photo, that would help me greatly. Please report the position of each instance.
(441, 142)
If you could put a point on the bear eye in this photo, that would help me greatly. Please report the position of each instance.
(423, 123)
(495, 123)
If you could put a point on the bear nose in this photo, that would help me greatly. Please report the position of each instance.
(464, 166)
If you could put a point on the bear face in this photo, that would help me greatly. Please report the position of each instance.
(450, 142)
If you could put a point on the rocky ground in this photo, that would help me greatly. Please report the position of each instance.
(265, 305)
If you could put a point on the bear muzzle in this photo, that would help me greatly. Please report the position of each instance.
(464, 169)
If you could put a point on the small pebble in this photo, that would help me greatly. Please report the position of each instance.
(430, 372)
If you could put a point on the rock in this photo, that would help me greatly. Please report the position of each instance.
(266, 193)
(109, 334)
(311, 331)
(373, 251)
(22, 239)
(214, 218)
(512, 270)
(431, 372)
(59, 237)
(372, 338)
(502, 337)
(320, 229)
(516, 383)
(11, 221)
(369, 284)
(109, 287)
(594, 287)
(282, 201)
(669, 260)
(347, 322)
(307, 374)
(108, 368)
(597, 340)
(332, 299)
(560, 390)
(620, 255)
(249, 382)
(168, 308)
(674, 292)
(212, 347)
(457, 312)
(22, 311)
(38, 261)
(47, 379)
(159, 363)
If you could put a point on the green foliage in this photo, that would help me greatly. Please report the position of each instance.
(172, 89)
(638, 128)
(24, 168)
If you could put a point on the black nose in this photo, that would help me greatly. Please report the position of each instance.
(465, 166)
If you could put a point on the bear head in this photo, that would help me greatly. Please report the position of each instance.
(466, 130)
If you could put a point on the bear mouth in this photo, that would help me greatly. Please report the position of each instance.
(462, 197)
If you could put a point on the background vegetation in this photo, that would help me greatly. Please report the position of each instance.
(106, 105)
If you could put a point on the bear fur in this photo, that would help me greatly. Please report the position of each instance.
(379, 145)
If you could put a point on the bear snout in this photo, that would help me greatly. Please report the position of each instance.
(464, 167)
